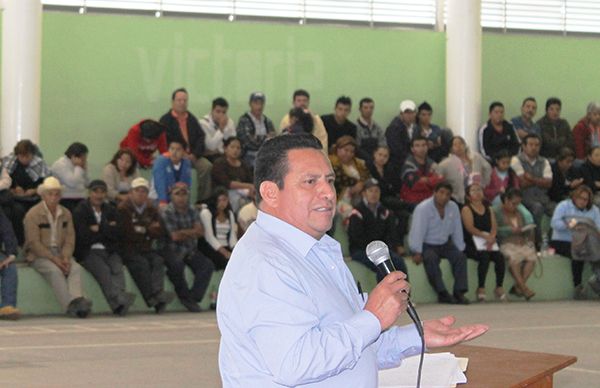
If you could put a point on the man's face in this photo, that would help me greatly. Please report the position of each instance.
(442, 196)
(497, 115)
(51, 197)
(425, 118)
(366, 110)
(594, 117)
(180, 198)
(25, 159)
(233, 150)
(139, 195)
(372, 195)
(532, 147)
(553, 112)
(529, 109)
(419, 148)
(257, 107)
(301, 102)
(218, 113)
(176, 151)
(342, 111)
(180, 102)
(307, 200)
(408, 116)
(97, 196)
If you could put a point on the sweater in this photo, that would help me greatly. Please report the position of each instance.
(73, 178)
(142, 148)
(137, 232)
(555, 134)
(452, 170)
(112, 178)
(563, 214)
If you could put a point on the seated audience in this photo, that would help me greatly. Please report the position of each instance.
(118, 175)
(418, 174)
(370, 221)
(145, 139)
(590, 172)
(96, 239)
(480, 229)
(217, 127)
(350, 174)
(524, 123)
(8, 271)
(463, 167)
(400, 132)
(535, 178)
(220, 229)
(436, 149)
(254, 128)
(497, 133)
(139, 228)
(184, 127)
(49, 245)
(566, 216)
(301, 99)
(13, 211)
(563, 175)
(502, 178)
(555, 131)
(337, 123)
(246, 216)
(516, 240)
(231, 172)
(27, 170)
(180, 248)
(300, 121)
(436, 232)
(169, 169)
(369, 135)
(71, 170)
(586, 133)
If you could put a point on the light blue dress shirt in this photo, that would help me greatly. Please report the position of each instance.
(290, 315)
(565, 211)
(428, 227)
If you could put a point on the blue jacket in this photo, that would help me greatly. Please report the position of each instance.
(164, 177)
(564, 212)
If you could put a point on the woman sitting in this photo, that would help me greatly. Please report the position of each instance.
(231, 172)
(462, 167)
(563, 175)
(502, 177)
(118, 175)
(590, 172)
(480, 227)
(564, 219)
(515, 232)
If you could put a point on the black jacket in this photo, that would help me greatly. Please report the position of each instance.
(196, 135)
(365, 227)
(83, 218)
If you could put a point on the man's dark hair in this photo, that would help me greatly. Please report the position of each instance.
(503, 153)
(25, 147)
(177, 91)
(178, 140)
(442, 185)
(343, 100)
(76, 149)
(272, 158)
(300, 92)
(495, 104)
(304, 121)
(417, 138)
(231, 139)
(528, 99)
(553, 101)
(220, 101)
(365, 100)
(511, 193)
(151, 129)
(565, 153)
(424, 106)
(531, 136)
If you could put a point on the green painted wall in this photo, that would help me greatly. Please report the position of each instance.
(102, 73)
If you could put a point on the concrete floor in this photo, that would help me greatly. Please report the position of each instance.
(180, 349)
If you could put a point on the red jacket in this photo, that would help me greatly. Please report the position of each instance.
(143, 148)
(413, 189)
(582, 134)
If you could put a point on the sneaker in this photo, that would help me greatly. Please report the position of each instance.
(461, 298)
(190, 305)
(445, 297)
(580, 293)
(10, 313)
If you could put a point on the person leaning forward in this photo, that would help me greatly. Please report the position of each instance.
(288, 309)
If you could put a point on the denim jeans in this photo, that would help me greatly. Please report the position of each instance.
(8, 288)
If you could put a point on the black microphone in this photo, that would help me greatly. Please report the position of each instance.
(379, 254)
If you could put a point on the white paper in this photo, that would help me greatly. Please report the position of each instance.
(481, 244)
(440, 370)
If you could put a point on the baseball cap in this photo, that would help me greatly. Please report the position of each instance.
(370, 183)
(257, 96)
(140, 182)
(408, 105)
(179, 186)
(97, 184)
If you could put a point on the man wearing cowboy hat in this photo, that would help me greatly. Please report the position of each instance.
(49, 245)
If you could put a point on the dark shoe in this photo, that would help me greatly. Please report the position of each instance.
(190, 305)
(461, 298)
(445, 297)
(123, 309)
(580, 293)
(84, 307)
(160, 307)
(213, 306)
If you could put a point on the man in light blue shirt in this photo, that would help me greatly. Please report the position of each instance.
(436, 232)
(288, 310)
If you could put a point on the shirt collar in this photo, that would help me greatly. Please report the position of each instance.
(280, 229)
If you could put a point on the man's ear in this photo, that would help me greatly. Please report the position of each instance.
(269, 192)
